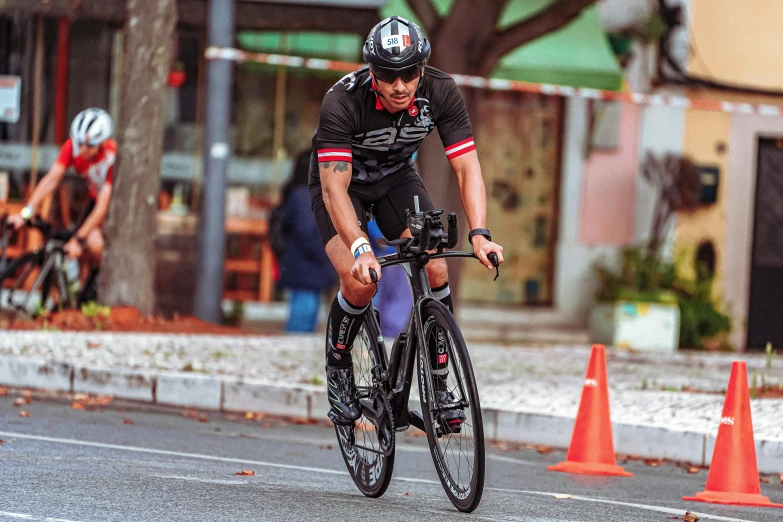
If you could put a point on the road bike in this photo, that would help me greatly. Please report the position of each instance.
(384, 381)
(52, 287)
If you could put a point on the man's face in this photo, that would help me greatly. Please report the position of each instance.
(398, 94)
(88, 152)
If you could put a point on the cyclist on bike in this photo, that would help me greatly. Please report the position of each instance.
(91, 152)
(372, 122)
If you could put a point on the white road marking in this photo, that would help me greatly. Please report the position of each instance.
(199, 479)
(169, 453)
(24, 516)
(659, 509)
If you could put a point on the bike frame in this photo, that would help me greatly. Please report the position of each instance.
(397, 375)
(48, 257)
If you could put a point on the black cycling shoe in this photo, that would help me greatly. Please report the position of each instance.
(342, 395)
(451, 416)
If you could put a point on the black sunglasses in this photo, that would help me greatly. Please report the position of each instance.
(407, 74)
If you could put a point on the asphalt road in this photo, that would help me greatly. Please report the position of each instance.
(61, 464)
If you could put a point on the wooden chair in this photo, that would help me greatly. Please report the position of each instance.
(255, 259)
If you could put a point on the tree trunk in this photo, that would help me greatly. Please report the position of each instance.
(128, 269)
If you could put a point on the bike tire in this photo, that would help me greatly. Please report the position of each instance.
(371, 471)
(463, 485)
(11, 279)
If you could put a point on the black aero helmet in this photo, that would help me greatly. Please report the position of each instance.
(396, 43)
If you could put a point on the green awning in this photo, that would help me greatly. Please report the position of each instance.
(578, 55)
(330, 46)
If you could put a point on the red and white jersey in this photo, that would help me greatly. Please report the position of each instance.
(97, 172)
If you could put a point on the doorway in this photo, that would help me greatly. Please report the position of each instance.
(765, 311)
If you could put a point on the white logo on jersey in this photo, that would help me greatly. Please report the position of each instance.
(348, 81)
(97, 173)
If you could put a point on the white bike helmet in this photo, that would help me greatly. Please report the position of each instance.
(91, 127)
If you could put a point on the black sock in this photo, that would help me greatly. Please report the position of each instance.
(439, 353)
(344, 322)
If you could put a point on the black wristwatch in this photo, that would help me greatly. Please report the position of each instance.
(479, 232)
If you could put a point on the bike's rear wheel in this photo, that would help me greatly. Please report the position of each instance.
(458, 457)
(368, 445)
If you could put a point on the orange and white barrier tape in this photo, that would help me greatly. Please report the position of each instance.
(660, 100)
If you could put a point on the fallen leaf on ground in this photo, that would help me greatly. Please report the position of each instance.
(561, 496)
(21, 400)
(781, 478)
(1, 442)
(23, 413)
(764, 480)
(249, 415)
(127, 421)
(191, 414)
(302, 420)
(248, 472)
(326, 447)
(544, 450)
(27, 393)
(77, 405)
(91, 345)
(653, 462)
(694, 469)
(3, 392)
(203, 418)
(404, 494)
(101, 400)
(689, 517)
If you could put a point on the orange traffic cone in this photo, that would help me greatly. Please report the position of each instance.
(592, 451)
(734, 474)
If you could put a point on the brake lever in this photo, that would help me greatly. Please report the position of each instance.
(493, 258)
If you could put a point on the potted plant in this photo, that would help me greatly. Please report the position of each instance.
(177, 75)
(648, 303)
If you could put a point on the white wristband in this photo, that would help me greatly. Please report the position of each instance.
(359, 242)
(27, 212)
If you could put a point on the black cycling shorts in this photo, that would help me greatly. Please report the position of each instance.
(389, 198)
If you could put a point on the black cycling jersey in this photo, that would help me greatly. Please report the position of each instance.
(354, 126)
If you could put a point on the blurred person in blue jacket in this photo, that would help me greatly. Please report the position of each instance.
(393, 298)
(305, 269)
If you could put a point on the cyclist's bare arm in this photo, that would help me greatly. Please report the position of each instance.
(98, 214)
(335, 178)
(474, 199)
(45, 187)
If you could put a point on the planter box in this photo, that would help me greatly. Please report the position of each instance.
(638, 326)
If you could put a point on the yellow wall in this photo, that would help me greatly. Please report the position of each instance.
(706, 133)
(735, 42)
(738, 41)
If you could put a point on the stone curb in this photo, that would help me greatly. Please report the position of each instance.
(309, 402)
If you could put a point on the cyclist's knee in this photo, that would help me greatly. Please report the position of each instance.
(95, 244)
(355, 292)
(437, 272)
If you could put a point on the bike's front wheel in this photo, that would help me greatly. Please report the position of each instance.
(458, 453)
(48, 295)
(367, 446)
